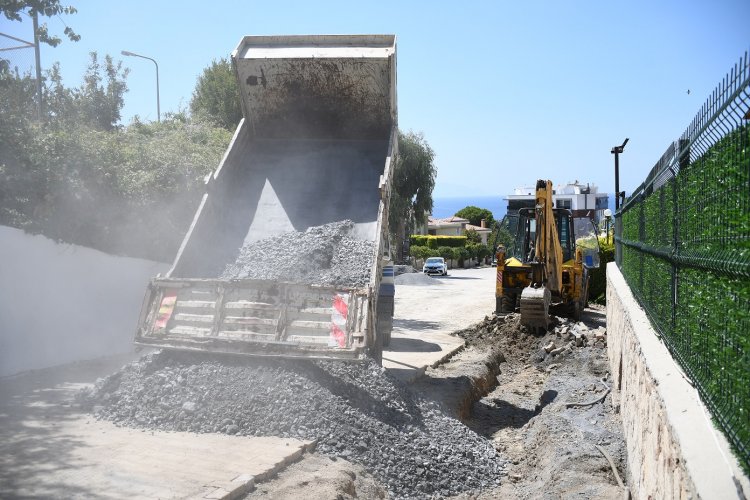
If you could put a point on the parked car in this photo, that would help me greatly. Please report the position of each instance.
(435, 265)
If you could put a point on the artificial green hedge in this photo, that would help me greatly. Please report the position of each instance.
(433, 241)
(692, 275)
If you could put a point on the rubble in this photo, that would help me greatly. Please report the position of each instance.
(549, 410)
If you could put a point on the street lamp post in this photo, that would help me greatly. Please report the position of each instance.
(616, 151)
(133, 54)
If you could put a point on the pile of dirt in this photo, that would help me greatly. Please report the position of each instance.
(553, 414)
(355, 411)
(403, 269)
(321, 255)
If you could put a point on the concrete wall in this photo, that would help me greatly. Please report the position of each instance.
(62, 303)
(673, 449)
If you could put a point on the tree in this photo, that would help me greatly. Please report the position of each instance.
(216, 97)
(12, 9)
(96, 103)
(413, 182)
(501, 235)
(101, 97)
(475, 215)
(472, 236)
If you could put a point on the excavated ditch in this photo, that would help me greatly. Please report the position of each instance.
(550, 410)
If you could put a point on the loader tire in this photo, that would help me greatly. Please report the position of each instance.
(576, 310)
(508, 303)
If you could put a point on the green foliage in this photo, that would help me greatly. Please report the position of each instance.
(475, 215)
(413, 181)
(12, 9)
(216, 97)
(418, 240)
(472, 236)
(483, 251)
(463, 254)
(501, 235)
(598, 277)
(79, 179)
(433, 241)
(131, 192)
(445, 252)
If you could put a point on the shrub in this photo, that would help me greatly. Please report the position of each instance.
(433, 241)
(598, 277)
(445, 252)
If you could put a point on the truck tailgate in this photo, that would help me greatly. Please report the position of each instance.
(254, 317)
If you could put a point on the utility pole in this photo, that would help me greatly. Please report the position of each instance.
(133, 54)
(38, 58)
(616, 151)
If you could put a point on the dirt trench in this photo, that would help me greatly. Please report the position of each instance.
(552, 412)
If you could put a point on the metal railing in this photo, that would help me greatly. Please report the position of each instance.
(683, 245)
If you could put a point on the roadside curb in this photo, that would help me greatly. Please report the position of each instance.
(245, 483)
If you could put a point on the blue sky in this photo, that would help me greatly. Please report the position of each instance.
(504, 92)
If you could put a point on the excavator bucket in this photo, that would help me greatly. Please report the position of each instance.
(535, 307)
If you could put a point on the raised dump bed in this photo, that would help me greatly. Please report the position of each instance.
(315, 147)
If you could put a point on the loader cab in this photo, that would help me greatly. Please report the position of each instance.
(526, 234)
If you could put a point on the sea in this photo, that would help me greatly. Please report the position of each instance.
(443, 207)
(448, 206)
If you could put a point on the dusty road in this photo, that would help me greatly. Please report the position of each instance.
(448, 304)
(428, 309)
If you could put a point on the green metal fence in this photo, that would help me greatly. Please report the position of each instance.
(683, 245)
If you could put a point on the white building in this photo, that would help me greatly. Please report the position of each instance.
(582, 199)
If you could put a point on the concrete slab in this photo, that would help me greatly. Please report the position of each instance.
(421, 335)
(51, 449)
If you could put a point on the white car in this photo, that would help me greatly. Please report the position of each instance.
(435, 265)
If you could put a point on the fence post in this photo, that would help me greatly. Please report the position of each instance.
(683, 160)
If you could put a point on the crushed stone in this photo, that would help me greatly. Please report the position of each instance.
(322, 255)
(416, 279)
(355, 411)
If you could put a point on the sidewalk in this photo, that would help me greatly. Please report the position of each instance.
(50, 449)
(453, 302)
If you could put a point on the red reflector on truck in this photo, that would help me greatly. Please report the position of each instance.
(165, 309)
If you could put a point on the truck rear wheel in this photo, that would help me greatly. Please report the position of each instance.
(376, 350)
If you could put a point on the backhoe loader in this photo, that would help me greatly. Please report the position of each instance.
(548, 265)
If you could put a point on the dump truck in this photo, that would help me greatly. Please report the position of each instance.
(316, 144)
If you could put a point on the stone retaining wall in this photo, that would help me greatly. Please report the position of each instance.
(673, 449)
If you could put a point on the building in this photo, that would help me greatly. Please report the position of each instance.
(456, 226)
(584, 200)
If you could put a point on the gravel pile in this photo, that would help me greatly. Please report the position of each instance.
(355, 411)
(321, 255)
(416, 279)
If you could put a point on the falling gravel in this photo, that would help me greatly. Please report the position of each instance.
(355, 411)
(321, 255)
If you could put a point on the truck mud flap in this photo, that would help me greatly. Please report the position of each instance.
(255, 318)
